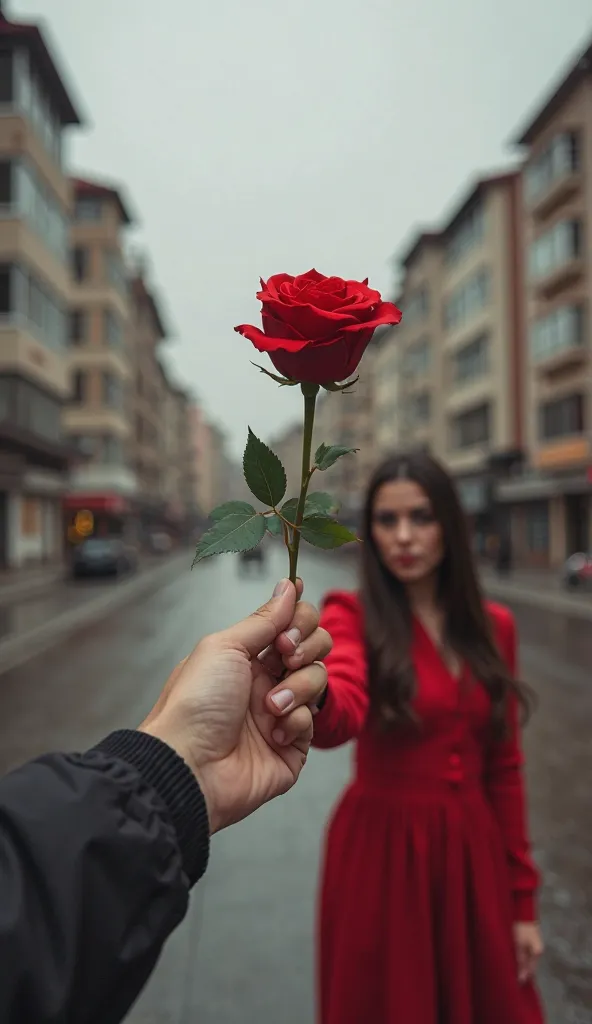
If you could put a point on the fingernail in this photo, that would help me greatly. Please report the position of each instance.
(278, 735)
(283, 700)
(281, 588)
(298, 652)
(294, 635)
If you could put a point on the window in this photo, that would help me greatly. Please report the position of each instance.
(555, 248)
(561, 330)
(6, 76)
(6, 191)
(35, 202)
(417, 359)
(417, 306)
(23, 297)
(472, 361)
(115, 271)
(468, 234)
(113, 333)
(37, 412)
(112, 391)
(84, 445)
(561, 418)
(6, 304)
(88, 208)
(468, 299)
(419, 408)
(78, 326)
(112, 451)
(561, 157)
(33, 100)
(30, 518)
(537, 528)
(80, 263)
(471, 428)
(78, 387)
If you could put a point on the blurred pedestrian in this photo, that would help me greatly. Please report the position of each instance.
(98, 851)
(427, 908)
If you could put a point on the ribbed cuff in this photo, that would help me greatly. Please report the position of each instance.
(162, 769)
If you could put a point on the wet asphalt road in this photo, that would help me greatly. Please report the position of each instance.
(244, 955)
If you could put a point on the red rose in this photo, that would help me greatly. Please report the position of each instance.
(315, 328)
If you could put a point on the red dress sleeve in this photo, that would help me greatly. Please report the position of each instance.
(505, 785)
(343, 714)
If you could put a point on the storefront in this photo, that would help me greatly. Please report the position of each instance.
(97, 515)
(551, 517)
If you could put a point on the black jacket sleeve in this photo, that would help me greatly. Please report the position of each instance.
(98, 852)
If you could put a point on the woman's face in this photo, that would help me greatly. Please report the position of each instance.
(408, 538)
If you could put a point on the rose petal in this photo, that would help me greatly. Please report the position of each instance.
(263, 343)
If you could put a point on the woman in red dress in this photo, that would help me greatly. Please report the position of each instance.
(427, 908)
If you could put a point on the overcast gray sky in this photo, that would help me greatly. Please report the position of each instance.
(259, 136)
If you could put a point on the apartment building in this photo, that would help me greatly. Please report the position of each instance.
(386, 372)
(178, 469)
(36, 107)
(98, 419)
(551, 503)
(419, 340)
(482, 342)
(148, 331)
(459, 370)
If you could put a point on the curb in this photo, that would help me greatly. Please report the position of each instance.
(554, 602)
(16, 650)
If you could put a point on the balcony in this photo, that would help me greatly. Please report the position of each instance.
(103, 478)
(556, 363)
(560, 278)
(559, 192)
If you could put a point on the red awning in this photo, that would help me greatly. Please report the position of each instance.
(113, 503)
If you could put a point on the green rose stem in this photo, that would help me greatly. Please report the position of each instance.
(310, 392)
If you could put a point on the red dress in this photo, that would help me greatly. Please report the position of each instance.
(427, 860)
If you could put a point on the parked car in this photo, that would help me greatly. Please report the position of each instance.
(160, 543)
(103, 556)
(577, 571)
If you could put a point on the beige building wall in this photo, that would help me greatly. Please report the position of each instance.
(494, 321)
(387, 416)
(34, 296)
(420, 331)
(98, 420)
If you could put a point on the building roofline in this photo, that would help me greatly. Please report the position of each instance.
(88, 187)
(475, 191)
(147, 294)
(420, 239)
(575, 72)
(31, 36)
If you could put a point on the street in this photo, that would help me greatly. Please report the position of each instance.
(245, 952)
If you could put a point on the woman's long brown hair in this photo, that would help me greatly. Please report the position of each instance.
(468, 630)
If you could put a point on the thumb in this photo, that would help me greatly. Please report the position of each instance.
(261, 628)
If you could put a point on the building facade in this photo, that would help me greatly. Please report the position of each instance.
(459, 360)
(147, 445)
(35, 109)
(551, 502)
(98, 419)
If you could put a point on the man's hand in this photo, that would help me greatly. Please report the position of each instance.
(529, 948)
(244, 735)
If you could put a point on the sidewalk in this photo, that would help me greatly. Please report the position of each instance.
(540, 589)
(18, 583)
(47, 613)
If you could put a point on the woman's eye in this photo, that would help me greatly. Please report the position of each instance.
(385, 519)
(422, 516)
